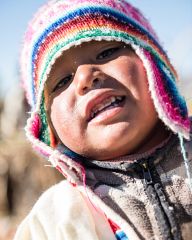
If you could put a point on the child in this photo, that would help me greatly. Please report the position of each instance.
(107, 114)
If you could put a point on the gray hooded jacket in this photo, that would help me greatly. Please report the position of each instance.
(149, 191)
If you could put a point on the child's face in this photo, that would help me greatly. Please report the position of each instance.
(97, 73)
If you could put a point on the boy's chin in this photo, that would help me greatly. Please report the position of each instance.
(107, 152)
(112, 141)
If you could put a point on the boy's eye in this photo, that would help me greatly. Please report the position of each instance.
(107, 53)
(63, 82)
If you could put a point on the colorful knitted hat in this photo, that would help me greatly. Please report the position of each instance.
(61, 24)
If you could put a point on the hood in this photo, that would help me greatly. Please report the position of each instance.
(61, 24)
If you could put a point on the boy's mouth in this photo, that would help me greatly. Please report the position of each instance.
(106, 104)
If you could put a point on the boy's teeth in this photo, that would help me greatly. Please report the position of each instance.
(108, 102)
(119, 98)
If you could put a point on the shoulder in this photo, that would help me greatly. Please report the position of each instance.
(57, 208)
(57, 194)
(60, 198)
(62, 212)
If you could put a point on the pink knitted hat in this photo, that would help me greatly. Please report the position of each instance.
(61, 24)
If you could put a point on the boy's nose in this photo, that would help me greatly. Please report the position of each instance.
(88, 77)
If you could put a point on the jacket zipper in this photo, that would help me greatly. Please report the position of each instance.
(146, 174)
(148, 180)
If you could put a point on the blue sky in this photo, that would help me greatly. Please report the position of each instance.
(172, 20)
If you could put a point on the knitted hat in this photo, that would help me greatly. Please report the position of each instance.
(61, 24)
